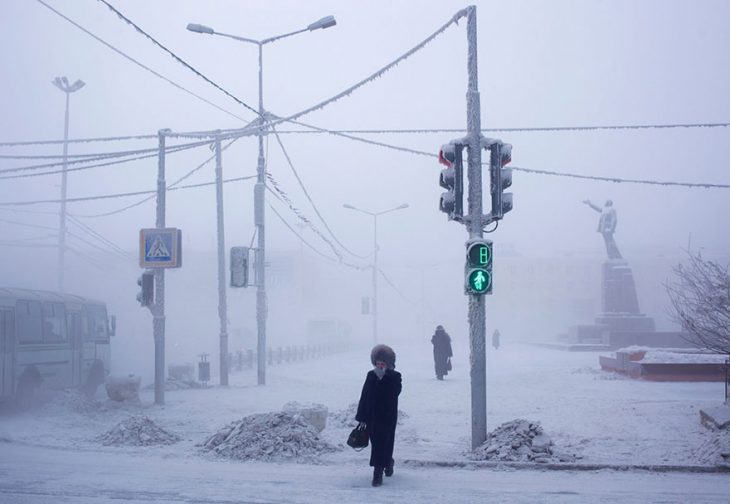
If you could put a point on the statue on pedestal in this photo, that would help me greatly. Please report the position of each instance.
(607, 226)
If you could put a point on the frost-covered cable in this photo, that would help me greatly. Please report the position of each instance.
(393, 286)
(92, 232)
(115, 195)
(281, 195)
(517, 129)
(109, 155)
(25, 224)
(624, 180)
(367, 140)
(305, 242)
(529, 170)
(309, 198)
(176, 57)
(153, 193)
(77, 140)
(454, 20)
(142, 65)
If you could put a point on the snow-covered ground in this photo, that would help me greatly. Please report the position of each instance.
(597, 416)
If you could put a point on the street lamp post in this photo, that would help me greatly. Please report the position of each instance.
(62, 84)
(375, 216)
(260, 186)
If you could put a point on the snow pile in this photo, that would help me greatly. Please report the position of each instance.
(314, 413)
(346, 418)
(519, 441)
(123, 388)
(73, 400)
(138, 431)
(660, 356)
(177, 384)
(269, 437)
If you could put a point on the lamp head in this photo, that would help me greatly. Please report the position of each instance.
(323, 23)
(199, 28)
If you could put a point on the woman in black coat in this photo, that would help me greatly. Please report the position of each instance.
(441, 351)
(378, 410)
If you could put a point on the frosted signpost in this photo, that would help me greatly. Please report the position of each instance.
(159, 248)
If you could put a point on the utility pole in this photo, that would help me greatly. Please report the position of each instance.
(260, 187)
(260, 256)
(375, 279)
(62, 84)
(222, 304)
(477, 310)
(158, 312)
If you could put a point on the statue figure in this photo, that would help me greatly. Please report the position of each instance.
(607, 226)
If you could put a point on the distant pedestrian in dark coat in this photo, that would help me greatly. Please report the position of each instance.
(495, 339)
(441, 351)
(378, 410)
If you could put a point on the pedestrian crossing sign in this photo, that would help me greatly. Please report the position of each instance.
(160, 248)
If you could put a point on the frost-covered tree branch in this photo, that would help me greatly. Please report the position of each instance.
(700, 297)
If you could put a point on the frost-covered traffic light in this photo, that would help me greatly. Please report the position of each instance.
(501, 178)
(239, 266)
(146, 294)
(478, 269)
(452, 179)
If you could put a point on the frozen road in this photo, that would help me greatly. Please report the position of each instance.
(35, 475)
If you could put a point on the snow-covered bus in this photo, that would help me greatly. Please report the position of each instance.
(51, 340)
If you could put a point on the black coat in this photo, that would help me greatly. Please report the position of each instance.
(441, 351)
(378, 408)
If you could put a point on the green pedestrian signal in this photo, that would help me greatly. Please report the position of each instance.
(478, 268)
(480, 281)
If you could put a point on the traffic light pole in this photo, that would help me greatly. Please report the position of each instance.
(158, 309)
(477, 310)
(259, 188)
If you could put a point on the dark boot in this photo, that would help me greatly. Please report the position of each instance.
(377, 476)
(389, 468)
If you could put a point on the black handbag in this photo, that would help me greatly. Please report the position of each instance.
(448, 364)
(358, 438)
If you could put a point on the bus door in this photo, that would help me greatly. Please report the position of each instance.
(76, 341)
(7, 352)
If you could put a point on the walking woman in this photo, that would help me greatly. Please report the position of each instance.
(441, 352)
(378, 410)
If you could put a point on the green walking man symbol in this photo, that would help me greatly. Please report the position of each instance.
(479, 280)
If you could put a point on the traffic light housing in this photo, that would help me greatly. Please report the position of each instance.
(239, 266)
(146, 294)
(501, 178)
(478, 269)
(452, 179)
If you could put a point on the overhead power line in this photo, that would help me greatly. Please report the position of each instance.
(515, 129)
(176, 57)
(109, 155)
(171, 186)
(142, 65)
(309, 198)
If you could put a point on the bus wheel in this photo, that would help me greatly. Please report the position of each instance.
(25, 394)
(96, 377)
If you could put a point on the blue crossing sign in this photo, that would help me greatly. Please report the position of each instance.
(160, 248)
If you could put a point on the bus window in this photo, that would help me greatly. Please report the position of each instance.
(97, 323)
(54, 322)
(28, 322)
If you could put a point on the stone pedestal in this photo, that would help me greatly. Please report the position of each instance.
(618, 291)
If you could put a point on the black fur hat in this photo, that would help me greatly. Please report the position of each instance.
(383, 353)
